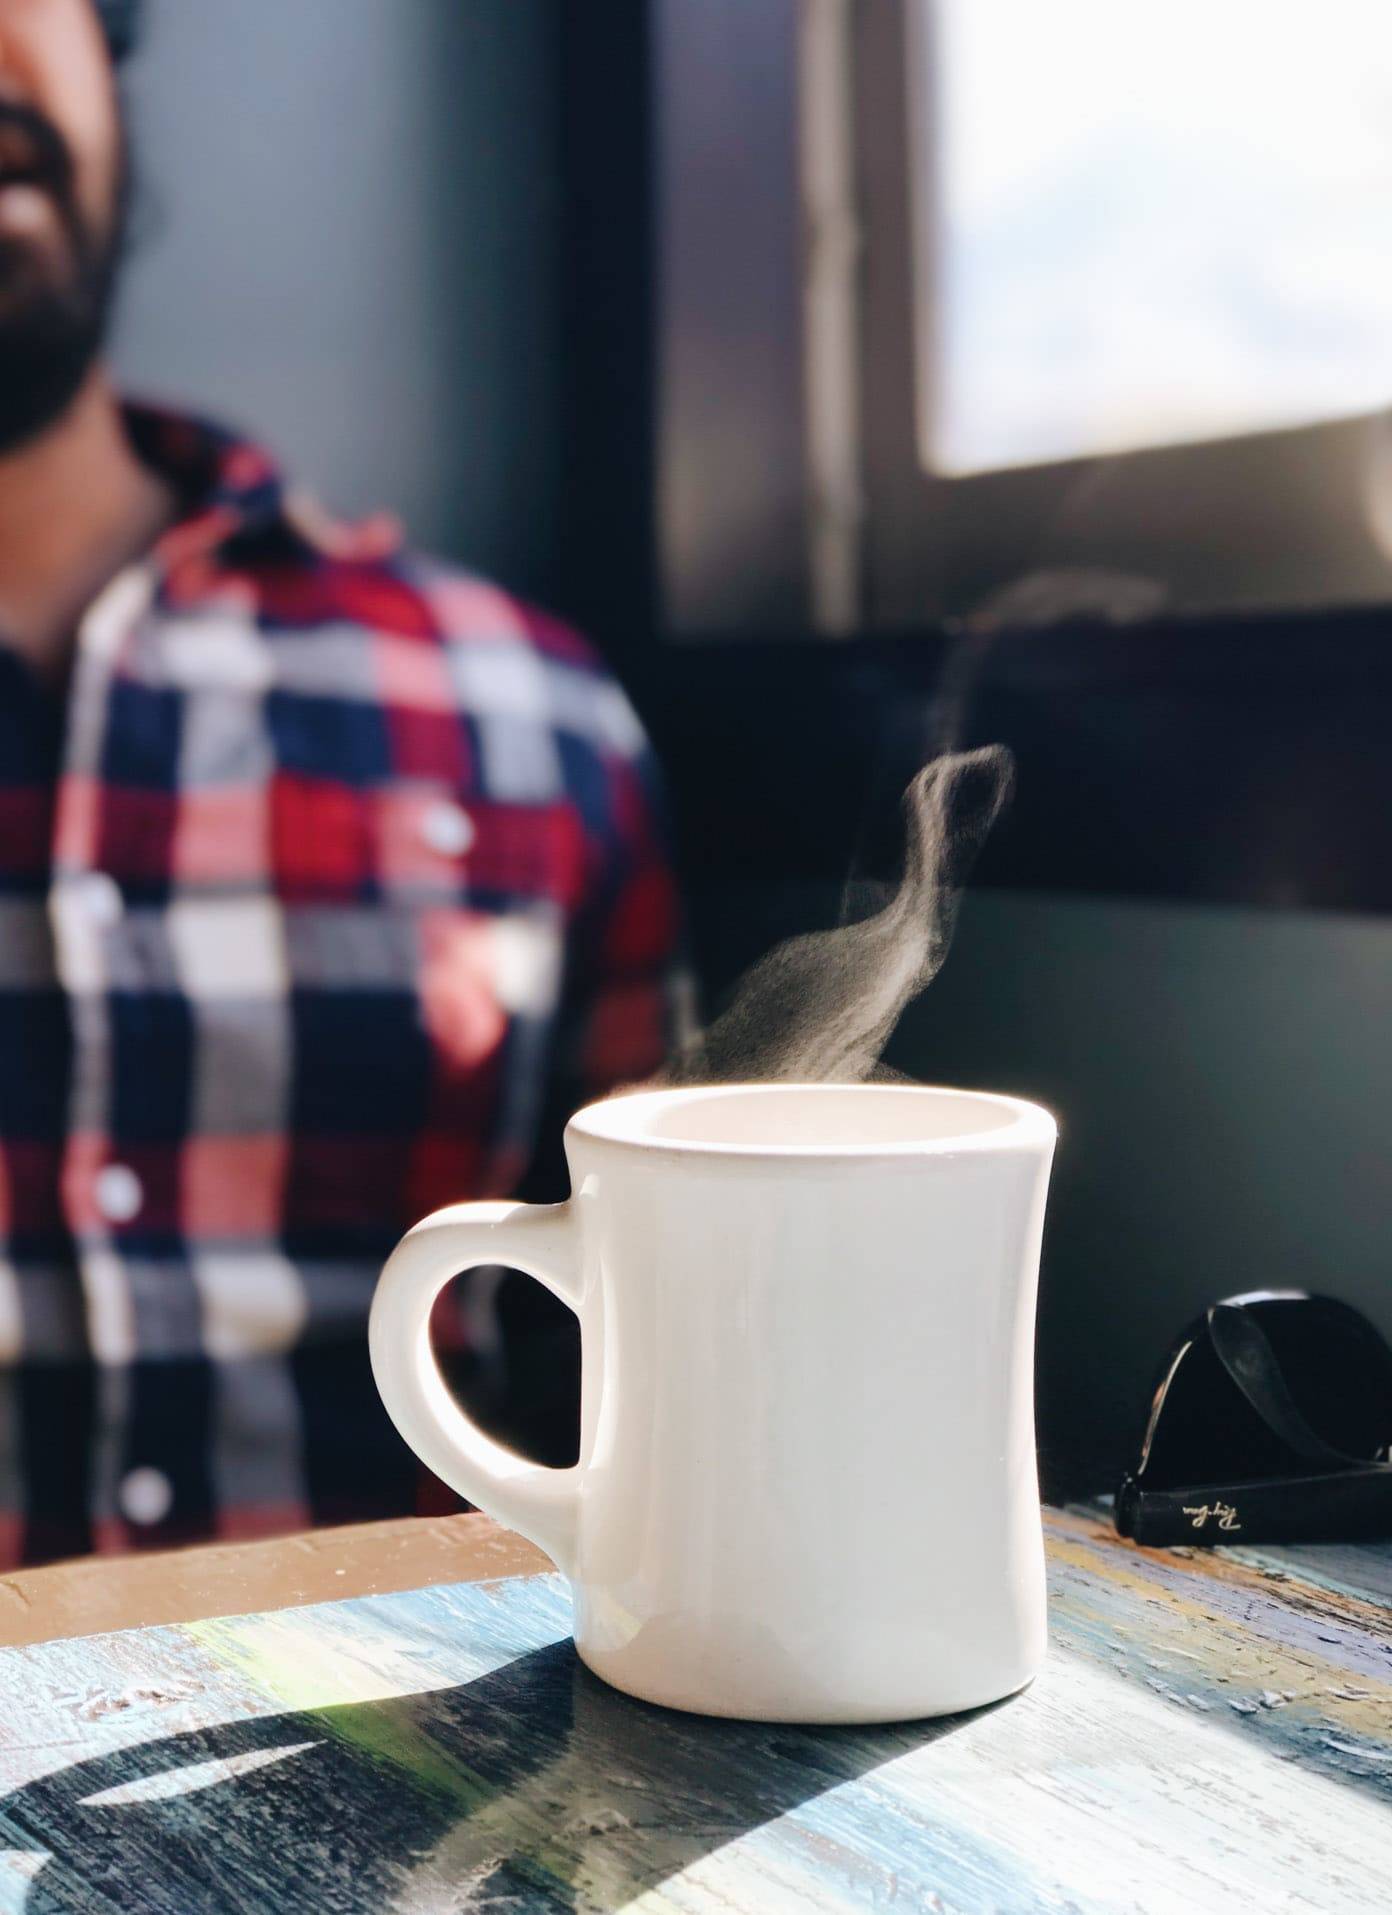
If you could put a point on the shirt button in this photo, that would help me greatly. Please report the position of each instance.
(99, 896)
(119, 1194)
(146, 1496)
(447, 829)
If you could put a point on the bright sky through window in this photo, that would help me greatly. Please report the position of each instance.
(1149, 223)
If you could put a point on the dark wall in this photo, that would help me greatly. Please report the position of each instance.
(1222, 1077)
(1178, 940)
(348, 241)
(1223, 1082)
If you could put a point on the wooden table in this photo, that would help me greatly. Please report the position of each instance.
(1213, 1731)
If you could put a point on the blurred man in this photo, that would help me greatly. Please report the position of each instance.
(329, 881)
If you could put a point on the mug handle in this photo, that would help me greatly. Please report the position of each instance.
(541, 1239)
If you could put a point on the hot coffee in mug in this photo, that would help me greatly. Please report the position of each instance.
(807, 1484)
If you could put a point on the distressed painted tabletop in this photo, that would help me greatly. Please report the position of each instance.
(1211, 1732)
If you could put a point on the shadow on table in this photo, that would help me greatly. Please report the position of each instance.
(534, 1787)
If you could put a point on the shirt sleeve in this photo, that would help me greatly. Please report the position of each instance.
(627, 1001)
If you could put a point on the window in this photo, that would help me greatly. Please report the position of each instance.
(1154, 223)
(988, 307)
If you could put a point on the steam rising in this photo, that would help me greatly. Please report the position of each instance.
(820, 1008)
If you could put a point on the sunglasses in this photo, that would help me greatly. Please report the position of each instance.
(1271, 1422)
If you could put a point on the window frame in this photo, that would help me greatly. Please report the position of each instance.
(1263, 521)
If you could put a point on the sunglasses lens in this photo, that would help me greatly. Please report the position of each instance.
(1335, 1367)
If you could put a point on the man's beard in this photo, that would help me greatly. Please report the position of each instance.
(55, 301)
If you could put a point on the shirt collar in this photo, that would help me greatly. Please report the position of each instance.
(230, 490)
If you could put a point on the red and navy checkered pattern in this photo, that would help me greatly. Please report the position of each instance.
(330, 886)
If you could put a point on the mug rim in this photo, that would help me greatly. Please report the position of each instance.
(616, 1120)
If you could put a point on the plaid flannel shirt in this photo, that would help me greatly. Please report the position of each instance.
(330, 886)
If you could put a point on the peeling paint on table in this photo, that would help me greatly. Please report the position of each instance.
(1213, 1730)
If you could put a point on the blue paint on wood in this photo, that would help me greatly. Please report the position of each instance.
(1203, 1722)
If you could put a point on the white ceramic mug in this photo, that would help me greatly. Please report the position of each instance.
(807, 1483)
